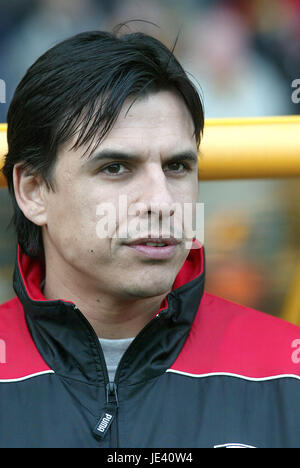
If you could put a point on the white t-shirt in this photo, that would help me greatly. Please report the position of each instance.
(113, 351)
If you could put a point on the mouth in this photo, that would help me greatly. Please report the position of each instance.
(155, 248)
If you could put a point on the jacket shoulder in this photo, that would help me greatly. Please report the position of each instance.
(230, 338)
(19, 357)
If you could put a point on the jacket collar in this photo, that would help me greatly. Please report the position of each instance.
(68, 343)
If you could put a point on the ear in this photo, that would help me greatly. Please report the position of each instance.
(30, 192)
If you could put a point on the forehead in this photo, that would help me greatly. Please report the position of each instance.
(163, 112)
(156, 124)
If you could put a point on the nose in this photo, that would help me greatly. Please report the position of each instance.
(155, 195)
(155, 209)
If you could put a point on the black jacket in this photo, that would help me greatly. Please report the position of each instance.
(204, 372)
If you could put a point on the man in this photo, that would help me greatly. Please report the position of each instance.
(111, 340)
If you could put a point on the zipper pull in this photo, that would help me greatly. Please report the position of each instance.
(111, 394)
(110, 411)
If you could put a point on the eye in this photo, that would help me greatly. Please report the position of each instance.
(177, 167)
(114, 169)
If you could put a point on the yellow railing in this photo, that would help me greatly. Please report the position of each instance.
(247, 148)
(250, 148)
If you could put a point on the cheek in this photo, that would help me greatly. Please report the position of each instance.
(69, 220)
(72, 230)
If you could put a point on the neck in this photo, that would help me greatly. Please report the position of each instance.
(111, 317)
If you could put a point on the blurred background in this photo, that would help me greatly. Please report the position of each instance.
(243, 56)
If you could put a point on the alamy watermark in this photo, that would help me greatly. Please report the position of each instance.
(296, 93)
(2, 352)
(296, 354)
(2, 92)
(136, 221)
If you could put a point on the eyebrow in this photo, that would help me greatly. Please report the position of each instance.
(116, 155)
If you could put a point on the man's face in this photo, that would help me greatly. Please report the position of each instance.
(132, 178)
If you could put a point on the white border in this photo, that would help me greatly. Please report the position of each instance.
(229, 374)
(20, 379)
(234, 445)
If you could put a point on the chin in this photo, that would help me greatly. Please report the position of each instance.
(149, 290)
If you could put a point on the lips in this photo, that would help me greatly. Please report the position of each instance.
(155, 248)
(154, 240)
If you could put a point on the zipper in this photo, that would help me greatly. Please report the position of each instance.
(112, 398)
(108, 419)
(111, 388)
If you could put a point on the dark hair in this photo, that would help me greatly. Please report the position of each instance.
(79, 87)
